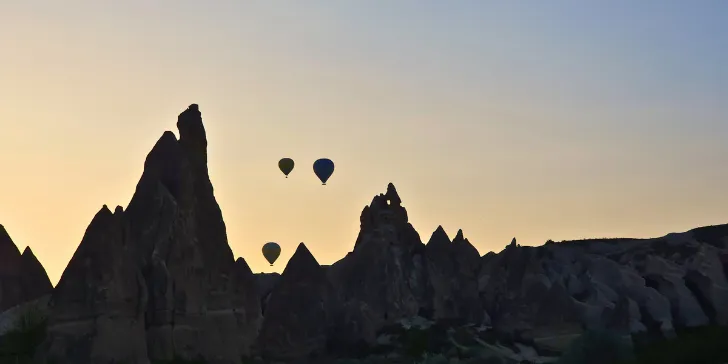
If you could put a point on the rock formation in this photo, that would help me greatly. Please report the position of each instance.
(246, 305)
(295, 323)
(265, 283)
(99, 299)
(158, 282)
(10, 289)
(384, 278)
(160, 273)
(34, 278)
(452, 269)
(22, 277)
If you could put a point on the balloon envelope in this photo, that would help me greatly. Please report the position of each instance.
(271, 251)
(286, 165)
(323, 168)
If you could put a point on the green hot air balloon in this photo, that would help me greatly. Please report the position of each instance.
(286, 165)
(271, 251)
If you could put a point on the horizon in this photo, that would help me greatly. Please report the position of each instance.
(562, 121)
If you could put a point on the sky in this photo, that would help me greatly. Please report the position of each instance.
(536, 120)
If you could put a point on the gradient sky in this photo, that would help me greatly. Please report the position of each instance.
(539, 119)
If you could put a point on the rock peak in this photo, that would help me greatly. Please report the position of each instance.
(241, 264)
(9, 253)
(439, 238)
(296, 310)
(34, 277)
(459, 236)
(386, 210)
(104, 212)
(5, 237)
(392, 195)
(440, 232)
(464, 249)
(191, 129)
(301, 264)
(302, 256)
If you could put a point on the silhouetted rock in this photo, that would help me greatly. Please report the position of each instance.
(452, 269)
(99, 300)
(265, 283)
(294, 325)
(172, 244)
(384, 278)
(34, 279)
(22, 277)
(11, 291)
(246, 305)
(159, 282)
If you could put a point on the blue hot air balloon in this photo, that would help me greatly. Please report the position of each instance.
(323, 168)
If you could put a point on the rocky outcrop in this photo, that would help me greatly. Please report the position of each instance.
(627, 285)
(707, 280)
(22, 277)
(452, 271)
(522, 297)
(161, 272)
(384, 278)
(177, 228)
(295, 321)
(99, 299)
(34, 278)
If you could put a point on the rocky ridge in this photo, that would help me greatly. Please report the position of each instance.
(162, 275)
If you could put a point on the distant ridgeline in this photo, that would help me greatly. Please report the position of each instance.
(158, 282)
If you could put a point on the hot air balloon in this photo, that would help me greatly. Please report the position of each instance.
(323, 168)
(271, 251)
(286, 165)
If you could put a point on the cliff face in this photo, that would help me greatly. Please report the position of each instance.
(159, 281)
